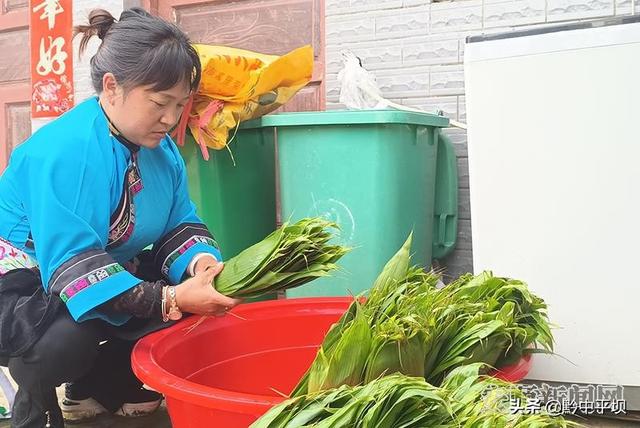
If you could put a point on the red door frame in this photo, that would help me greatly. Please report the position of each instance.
(12, 92)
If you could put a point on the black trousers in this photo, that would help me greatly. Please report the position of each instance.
(44, 347)
(84, 353)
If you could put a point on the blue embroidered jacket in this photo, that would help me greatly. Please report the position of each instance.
(81, 204)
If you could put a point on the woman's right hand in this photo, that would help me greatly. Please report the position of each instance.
(197, 295)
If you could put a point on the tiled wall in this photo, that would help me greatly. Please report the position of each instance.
(416, 48)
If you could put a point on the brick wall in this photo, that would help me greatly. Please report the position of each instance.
(416, 48)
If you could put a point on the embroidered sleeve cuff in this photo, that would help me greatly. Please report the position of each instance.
(88, 280)
(178, 248)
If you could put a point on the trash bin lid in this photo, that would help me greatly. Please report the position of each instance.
(348, 117)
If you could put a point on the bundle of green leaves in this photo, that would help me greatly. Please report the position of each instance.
(411, 326)
(291, 256)
(465, 399)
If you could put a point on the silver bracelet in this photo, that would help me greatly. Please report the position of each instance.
(165, 315)
(191, 270)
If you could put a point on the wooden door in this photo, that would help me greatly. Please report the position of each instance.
(15, 87)
(267, 26)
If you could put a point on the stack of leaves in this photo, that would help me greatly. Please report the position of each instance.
(409, 325)
(466, 399)
(384, 335)
(289, 257)
(479, 401)
(485, 319)
(393, 401)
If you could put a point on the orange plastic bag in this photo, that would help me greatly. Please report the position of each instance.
(239, 85)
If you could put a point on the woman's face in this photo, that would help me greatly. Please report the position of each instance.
(145, 116)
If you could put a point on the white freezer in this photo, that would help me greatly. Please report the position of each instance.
(554, 159)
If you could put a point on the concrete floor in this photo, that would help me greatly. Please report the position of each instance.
(160, 419)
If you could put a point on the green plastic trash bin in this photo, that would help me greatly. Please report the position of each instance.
(378, 174)
(236, 201)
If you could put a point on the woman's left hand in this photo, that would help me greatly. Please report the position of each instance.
(205, 263)
(197, 295)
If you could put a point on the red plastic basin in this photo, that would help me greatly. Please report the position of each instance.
(228, 371)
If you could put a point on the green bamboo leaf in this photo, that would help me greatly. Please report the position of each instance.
(289, 257)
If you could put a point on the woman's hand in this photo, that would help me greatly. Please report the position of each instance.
(197, 295)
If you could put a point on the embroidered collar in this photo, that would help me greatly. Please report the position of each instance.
(133, 148)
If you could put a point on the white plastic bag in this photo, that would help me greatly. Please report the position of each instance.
(359, 90)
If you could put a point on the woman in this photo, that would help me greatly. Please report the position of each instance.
(79, 202)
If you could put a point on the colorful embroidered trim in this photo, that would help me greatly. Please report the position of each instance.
(134, 178)
(13, 258)
(89, 279)
(123, 222)
(173, 256)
